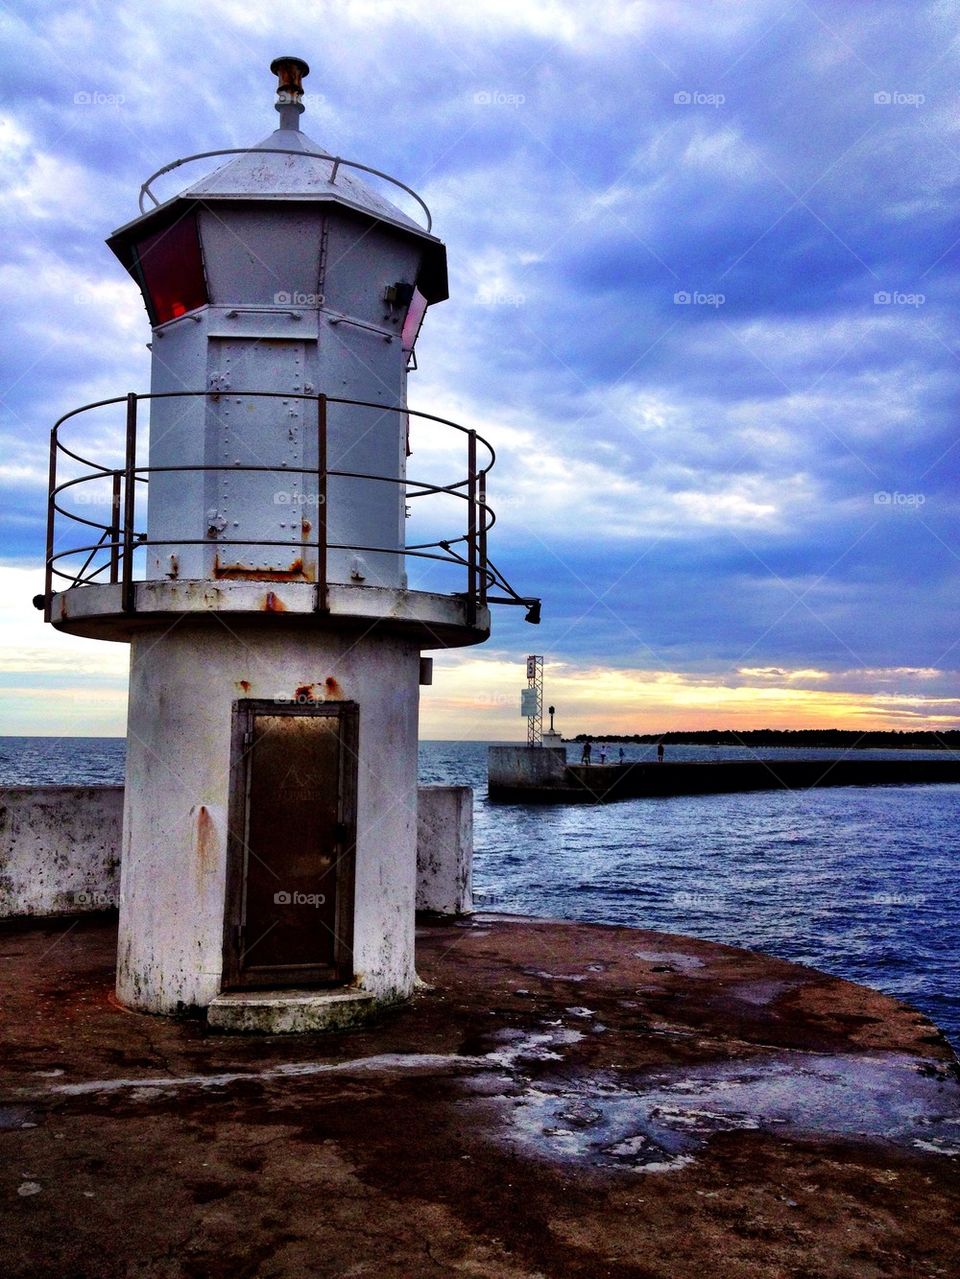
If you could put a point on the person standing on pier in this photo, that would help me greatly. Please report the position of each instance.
(660, 751)
(585, 757)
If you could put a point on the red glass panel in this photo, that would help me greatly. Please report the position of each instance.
(414, 318)
(171, 271)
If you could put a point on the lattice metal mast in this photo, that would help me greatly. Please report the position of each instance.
(535, 700)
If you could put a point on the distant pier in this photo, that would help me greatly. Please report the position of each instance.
(525, 775)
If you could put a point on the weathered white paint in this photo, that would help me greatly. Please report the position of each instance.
(95, 611)
(59, 849)
(445, 849)
(182, 688)
(526, 765)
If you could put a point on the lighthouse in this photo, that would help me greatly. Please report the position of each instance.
(255, 528)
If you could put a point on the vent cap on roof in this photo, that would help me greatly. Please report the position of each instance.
(289, 72)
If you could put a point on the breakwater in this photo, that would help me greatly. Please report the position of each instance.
(511, 778)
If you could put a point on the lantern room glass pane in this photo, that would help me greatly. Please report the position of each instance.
(171, 271)
(413, 320)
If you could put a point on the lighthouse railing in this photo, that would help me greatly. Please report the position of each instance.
(110, 547)
(336, 163)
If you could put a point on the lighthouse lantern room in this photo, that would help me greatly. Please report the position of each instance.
(260, 541)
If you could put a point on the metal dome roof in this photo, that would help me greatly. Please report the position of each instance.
(306, 171)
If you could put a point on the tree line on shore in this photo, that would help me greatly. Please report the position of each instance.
(847, 738)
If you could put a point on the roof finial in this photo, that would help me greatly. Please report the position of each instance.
(289, 72)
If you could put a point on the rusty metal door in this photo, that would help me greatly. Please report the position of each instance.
(289, 916)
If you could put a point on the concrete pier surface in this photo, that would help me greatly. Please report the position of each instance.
(602, 783)
(557, 1099)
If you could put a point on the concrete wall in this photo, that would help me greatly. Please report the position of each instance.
(444, 849)
(59, 849)
(510, 766)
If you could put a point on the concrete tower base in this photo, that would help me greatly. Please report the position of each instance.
(184, 682)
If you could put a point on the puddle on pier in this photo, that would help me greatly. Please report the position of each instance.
(677, 960)
(537, 1096)
(659, 1120)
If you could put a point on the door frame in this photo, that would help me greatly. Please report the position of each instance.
(244, 712)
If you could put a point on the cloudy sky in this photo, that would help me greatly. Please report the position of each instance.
(704, 283)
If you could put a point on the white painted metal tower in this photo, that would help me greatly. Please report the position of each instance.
(252, 548)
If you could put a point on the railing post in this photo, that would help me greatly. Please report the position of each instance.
(482, 483)
(51, 512)
(129, 500)
(472, 529)
(115, 529)
(321, 600)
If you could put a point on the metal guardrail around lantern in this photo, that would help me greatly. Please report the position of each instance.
(110, 558)
(336, 163)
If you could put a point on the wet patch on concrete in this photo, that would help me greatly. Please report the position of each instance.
(544, 976)
(519, 1046)
(648, 1121)
(675, 960)
(142, 1089)
(658, 1121)
(514, 1049)
(762, 993)
(12, 1117)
